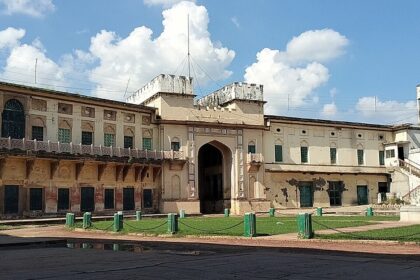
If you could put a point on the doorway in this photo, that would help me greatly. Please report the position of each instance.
(128, 199)
(87, 199)
(335, 191)
(211, 169)
(362, 195)
(11, 199)
(401, 153)
(306, 194)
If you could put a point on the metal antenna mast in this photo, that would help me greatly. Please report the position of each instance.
(188, 43)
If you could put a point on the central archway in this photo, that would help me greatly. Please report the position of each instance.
(214, 166)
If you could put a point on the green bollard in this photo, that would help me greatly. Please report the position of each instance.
(70, 219)
(227, 212)
(118, 222)
(319, 211)
(369, 212)
(172, 223)
(271, 212)
(138, 215)
(304, 222)
(87, 220)
(182, 214)
(250, 225)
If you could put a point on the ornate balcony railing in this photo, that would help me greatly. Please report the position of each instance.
(79, 149)
(254, 158)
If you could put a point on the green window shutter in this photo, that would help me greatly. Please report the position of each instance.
(128, 142)
(360, 157)
(64, 135)
(278, 153)
(251, 149)
(109, 140)
(87, 138)
(333, 155)
(304, 154)
(175, 146)
(381, 158)
(147, 144)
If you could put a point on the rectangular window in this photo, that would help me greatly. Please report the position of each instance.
(64, 135)
(381, 158)
(278, 153)
(147, 198)
(109, 199)
(333, 155)
(390, 153)
(304, 154)
(147, 144)
(360, 157)
(38, 133)
(175, 146)
(128, 142)
(35, 199)
(87, 138)
(335, 191)
(63, 199)
(251, 149)
(109, 140)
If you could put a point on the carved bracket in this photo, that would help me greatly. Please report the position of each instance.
(29, 167)
(156, 172)
(101, 170)
(79, 168)
(53, 168)
(137, 173)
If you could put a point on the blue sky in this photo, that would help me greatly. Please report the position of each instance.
(344, 60)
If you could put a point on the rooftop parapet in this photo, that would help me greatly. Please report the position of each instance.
(242, 91)
(162, 83)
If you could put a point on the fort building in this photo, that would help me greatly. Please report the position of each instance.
(164, 150)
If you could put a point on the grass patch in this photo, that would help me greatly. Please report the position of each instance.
(7, 227)
(232, 226)
(403, 234)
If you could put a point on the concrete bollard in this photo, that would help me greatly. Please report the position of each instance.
(118, 222)
(304, 222)
(172, 223)
(250, 225)
(271, 212)
(138, 215)
(369, 212)
(319, 211)
(70, 219)
(227, 212)
(182, 214)
(87, 220)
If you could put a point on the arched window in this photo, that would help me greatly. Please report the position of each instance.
(175, 145)
(251, 147)
(13, 120)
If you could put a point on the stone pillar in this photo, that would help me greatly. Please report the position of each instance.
(75, 198)
(137, 197)
(118, 198)
(99, 198)
(50, 199)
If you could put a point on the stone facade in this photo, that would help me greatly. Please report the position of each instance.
(163, 151)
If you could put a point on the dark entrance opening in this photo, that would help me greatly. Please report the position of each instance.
(401, 153)
(11, 199)
(35, 199)
(335, 191)
(383, 189)
(210, 179)
(63, 199)
(13, 120)
(128, 199)
(147, 198)
(87, 199)
(109, 199)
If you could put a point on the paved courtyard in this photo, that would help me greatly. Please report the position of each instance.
(192, 261)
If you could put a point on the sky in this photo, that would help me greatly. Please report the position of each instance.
(342, 60)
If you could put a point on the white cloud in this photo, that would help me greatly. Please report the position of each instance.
(390, 111)
(329, 110)
(139, 57)
(291, 77)
(10, 37)
(164, 3)
(235, 21)
(34, 8)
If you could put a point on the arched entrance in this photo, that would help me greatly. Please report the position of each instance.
(214, 165)
(13, 120)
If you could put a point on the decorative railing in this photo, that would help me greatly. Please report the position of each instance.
(254, 158)
(410, 168)
(412, 195)
(79, 149)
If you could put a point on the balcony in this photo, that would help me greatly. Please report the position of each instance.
(87, 150)
(254, 161)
